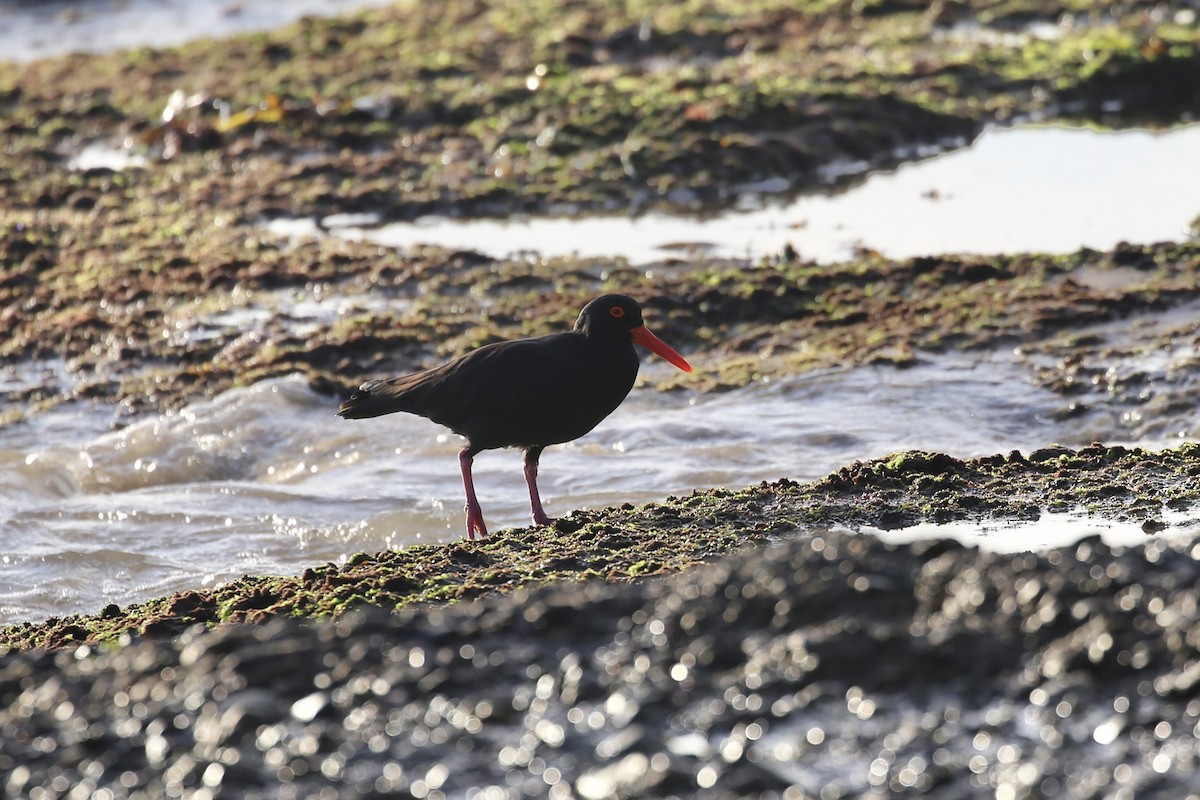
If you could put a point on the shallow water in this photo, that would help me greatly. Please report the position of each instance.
(1027, 189)
(49, 28)
(1048, 531)
(268, 480)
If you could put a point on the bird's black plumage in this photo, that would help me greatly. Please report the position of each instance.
(527, 393)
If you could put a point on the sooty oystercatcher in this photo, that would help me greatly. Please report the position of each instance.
(528, 393)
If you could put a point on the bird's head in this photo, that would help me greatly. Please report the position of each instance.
(618, 315)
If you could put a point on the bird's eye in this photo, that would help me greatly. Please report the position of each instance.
(617, 312)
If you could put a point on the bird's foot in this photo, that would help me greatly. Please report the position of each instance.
(476, 529)
(540, 518)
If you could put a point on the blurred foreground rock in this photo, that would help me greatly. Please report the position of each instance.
(826, 666)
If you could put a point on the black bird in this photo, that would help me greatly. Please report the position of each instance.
(528, 393)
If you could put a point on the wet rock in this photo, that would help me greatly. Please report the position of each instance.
(829, 665)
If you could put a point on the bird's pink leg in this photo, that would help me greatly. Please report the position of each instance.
(474, 513)
(535, 501)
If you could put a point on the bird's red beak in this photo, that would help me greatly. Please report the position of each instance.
(655, 345)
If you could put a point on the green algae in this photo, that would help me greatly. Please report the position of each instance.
(400, 112)
(740, 322)
(635, 543)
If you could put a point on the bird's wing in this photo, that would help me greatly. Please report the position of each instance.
(499, 377)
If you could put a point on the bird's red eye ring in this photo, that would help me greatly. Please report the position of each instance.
(617, 311)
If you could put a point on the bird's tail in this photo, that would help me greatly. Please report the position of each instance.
(366, 401)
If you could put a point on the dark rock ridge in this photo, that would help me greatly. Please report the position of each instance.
(829, 665)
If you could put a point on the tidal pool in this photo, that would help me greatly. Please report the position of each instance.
(1025, 189)
(50, 28)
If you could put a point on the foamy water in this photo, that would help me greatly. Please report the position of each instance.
(267, 480)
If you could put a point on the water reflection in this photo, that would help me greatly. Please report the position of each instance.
(1031, 189)
(55, 27)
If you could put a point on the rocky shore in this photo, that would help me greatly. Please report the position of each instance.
(129, 276)
(734, 642)
(631, 543)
